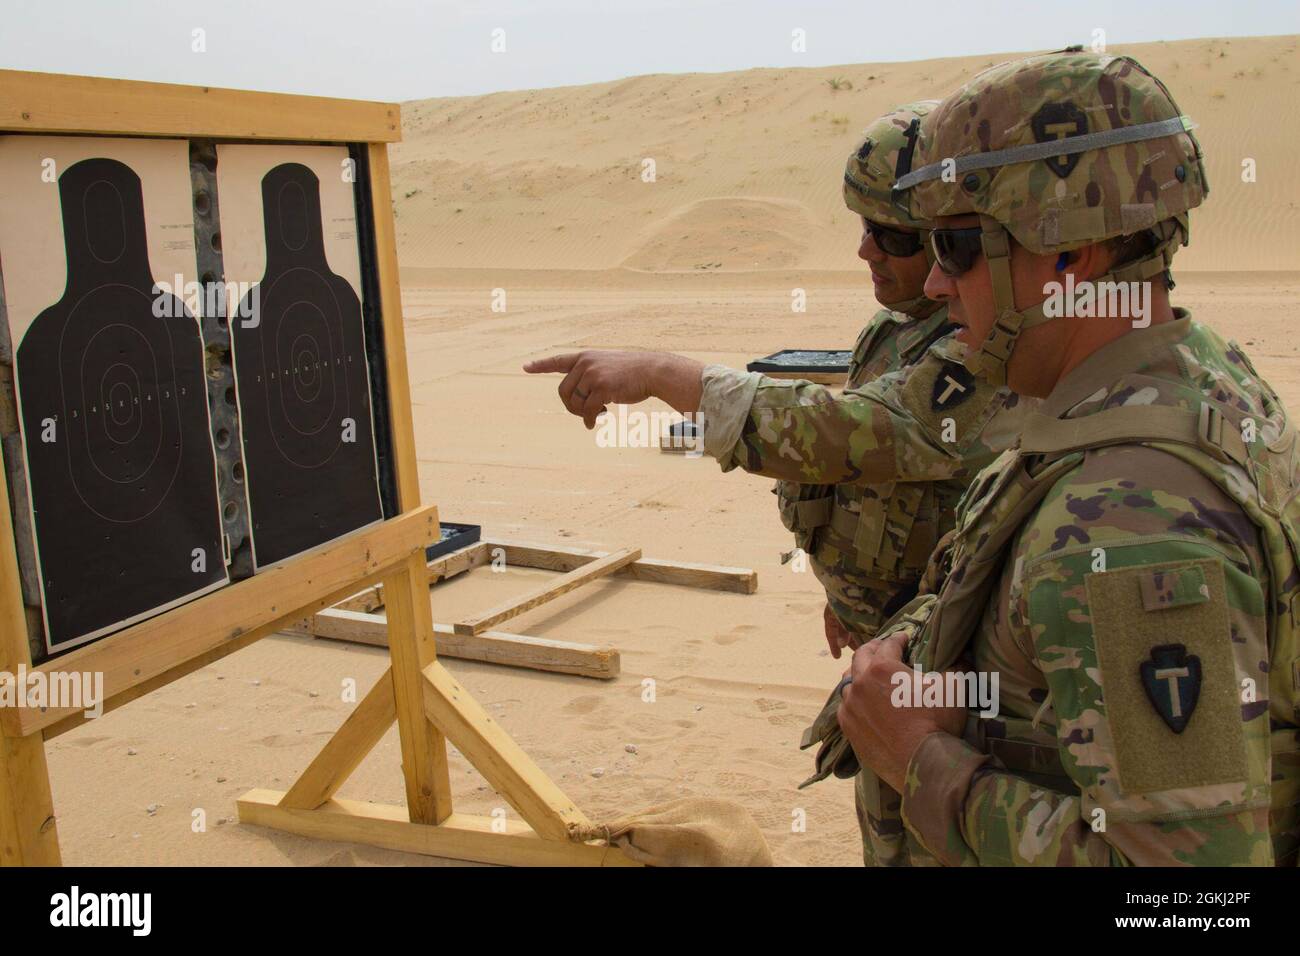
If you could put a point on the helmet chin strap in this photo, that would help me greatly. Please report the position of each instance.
(918, 308)
(990, 359)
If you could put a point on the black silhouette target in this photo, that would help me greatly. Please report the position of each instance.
(114, 406)
(304, 394)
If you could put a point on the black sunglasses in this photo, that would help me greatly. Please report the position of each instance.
(894, 242)
(957, 249)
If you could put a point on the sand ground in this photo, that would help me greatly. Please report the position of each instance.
(542, 194)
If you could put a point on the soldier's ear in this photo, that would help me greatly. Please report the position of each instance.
(1087, 262)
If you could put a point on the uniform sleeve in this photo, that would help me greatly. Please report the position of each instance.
(926, 422)
(724, 406)
(1147, 616)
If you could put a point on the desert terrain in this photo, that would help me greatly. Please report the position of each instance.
(540, 194)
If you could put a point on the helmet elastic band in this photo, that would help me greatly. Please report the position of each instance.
(1057, 147)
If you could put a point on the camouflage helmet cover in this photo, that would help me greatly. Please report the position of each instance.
(874, 164)
(1111, 184)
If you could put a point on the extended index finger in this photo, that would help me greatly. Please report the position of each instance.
(553, 363)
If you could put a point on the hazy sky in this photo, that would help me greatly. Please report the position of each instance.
(404, 49)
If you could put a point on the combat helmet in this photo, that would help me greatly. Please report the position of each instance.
(1059, 151)
(882, 155)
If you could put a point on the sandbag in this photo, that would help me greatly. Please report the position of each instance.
(696, 831)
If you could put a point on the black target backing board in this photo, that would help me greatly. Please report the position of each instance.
(289, 234)
(109, 379)
(803, 360)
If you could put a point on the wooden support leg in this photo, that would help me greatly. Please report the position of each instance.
(503, 763)
(28, 835)
(411, 648)
(364, 728)
(436, 706)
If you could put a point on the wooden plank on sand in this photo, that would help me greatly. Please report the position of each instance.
(713, 577)
(492, 647)
(574, 579)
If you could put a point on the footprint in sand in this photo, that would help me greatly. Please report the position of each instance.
(735, 634)
(788, 720)
(805, 610)
(582, 705)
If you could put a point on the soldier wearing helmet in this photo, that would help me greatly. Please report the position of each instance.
(1129, 571)
(867, 479)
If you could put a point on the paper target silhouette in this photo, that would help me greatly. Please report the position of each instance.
(302, 382)
(115, 421)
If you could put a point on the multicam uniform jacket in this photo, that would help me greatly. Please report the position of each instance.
(868, 478)
(1130, 574)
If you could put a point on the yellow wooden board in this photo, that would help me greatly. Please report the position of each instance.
(56, 103)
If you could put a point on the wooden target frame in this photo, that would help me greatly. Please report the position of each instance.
(429, 706)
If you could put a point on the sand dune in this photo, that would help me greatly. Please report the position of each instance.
(748, 164)
(737, 232)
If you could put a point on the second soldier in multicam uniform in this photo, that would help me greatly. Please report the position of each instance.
(868, 479)
(1131, 570)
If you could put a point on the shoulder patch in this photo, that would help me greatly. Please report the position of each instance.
(1172, 708)
(1172, 680)
(953, 385)
(940, 395)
